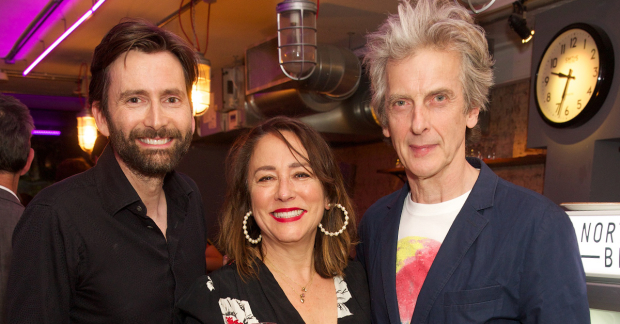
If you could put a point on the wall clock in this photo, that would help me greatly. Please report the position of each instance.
(574, 75)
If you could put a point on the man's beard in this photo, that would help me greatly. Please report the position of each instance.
(150, 162)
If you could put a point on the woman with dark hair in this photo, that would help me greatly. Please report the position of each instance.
(288, 224)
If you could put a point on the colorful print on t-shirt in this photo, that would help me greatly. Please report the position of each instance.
(414, 256)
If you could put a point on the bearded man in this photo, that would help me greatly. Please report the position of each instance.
(122, 241)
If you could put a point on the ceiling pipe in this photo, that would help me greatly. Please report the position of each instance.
(176, 13)
(335, 78)
(31, 30)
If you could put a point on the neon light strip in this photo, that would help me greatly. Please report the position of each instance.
(63, 36)
(45, 132)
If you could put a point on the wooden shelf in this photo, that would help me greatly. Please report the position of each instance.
(492, 163)
(518, 161)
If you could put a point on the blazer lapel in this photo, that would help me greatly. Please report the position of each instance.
(388, 244)
(466, 228)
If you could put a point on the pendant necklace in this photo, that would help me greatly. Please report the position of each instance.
(304, 288)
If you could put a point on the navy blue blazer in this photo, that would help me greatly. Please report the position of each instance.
(511, 256)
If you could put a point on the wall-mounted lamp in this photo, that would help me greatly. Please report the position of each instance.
(517, 21)
(201, 91)
(297, 38)
(87, 130)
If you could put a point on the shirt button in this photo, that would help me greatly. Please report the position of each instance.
(149, 227)
(139, 208)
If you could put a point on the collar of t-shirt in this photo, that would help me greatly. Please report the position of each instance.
(429, 220)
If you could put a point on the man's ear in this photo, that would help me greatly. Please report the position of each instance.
(472, 117)
(386, 131)
(28, 162)
(102, 122)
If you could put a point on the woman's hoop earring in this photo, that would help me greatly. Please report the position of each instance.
(245, 230)
(346, 222)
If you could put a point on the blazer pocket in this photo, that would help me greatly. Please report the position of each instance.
(472, 306)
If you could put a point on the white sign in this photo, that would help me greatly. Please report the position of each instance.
(598, 235)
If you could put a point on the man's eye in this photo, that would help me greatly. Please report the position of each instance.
(400, 103)
(440, 97)
(134, 100)
(173, 100)
(265, 178)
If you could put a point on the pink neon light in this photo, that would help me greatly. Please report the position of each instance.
(62, 37)
(45, 132)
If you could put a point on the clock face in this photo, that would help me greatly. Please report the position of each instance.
(574, 75)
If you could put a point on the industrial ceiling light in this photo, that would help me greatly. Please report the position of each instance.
(518, 23)
(297, 38)
(87, 130)
(201, 90)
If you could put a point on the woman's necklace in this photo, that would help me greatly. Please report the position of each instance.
(304, 288)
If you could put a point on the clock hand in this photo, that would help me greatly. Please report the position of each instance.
(562, 75)
(568, 77)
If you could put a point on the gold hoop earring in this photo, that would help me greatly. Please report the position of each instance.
(346, 222)
(245, 230)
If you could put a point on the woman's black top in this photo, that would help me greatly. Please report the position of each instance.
(222, 297)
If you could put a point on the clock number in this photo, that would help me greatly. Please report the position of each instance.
(563, 49)
(578, 104)
(589, 91)
(566, 111)
(573, 42)
(548, 96)
(547, 82)
(595, 71)
(554, 62)
(558, 109)
(593, 52)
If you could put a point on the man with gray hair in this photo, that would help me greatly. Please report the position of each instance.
(15, 158)
(456, 244)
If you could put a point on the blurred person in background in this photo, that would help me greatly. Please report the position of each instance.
(16, 156)
(70, 167)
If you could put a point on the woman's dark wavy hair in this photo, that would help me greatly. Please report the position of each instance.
(331, 254)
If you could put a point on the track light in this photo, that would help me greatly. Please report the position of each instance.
(517, 21)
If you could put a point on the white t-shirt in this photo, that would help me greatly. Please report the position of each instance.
(422, 229)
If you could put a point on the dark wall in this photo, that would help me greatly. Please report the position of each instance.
(575, 155)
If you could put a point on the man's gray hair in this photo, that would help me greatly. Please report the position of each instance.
(430, 24)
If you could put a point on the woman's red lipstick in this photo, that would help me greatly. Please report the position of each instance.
(287, 219)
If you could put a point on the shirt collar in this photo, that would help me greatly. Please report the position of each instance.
(117, 192)
(481, 195)
(9, 190)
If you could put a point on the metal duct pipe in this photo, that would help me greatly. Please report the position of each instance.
(336, 78)
(337, 73)
(289, 102)
(352, 116)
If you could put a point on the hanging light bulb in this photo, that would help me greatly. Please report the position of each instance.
(87, 130)
(201, 90)
(297, 38)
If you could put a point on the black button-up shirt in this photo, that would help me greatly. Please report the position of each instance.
(85, 251)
